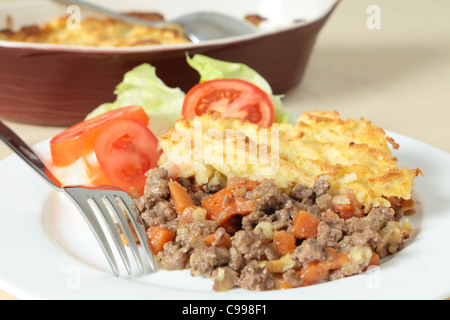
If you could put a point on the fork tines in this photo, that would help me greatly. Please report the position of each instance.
(115, 209)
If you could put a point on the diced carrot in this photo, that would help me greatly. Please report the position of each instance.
(345, 206)
(180, 196)
(305, 225)
(333, 252)
(344, 213)
(236, 206)
(221, 206)
(235, 183)
(283, 285)
(217, 203)
(338, 259)
(243, 206)
(313, 272)
(283, 242)
(374, 260)
(159, 236)
(225, 240)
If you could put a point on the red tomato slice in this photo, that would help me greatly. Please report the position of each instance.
(66, 147)
(233, 98)
(120, 155)
(93, 169)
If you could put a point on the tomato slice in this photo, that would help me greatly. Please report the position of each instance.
(66, 147)
(120, 155)
(233, 98)
(93, 169)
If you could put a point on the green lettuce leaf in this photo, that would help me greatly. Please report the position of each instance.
(211, 69)
(141, 86)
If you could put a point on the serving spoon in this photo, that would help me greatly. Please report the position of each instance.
(199, 27)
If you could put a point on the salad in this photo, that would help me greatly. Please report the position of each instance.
(118, 141)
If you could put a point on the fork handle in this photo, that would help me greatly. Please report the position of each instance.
(24, 151)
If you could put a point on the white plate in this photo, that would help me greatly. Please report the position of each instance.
(47, 252)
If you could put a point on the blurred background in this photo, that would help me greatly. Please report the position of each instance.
(397, 76)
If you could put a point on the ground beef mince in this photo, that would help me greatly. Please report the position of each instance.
(308, 251)
(174, 256)
(252, 235)
(253, 245)
(205, 260)
(156, 186)
(255, 276)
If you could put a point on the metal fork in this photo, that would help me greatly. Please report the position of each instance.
(93, 202)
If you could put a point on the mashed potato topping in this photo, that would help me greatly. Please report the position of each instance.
(350, 154)
(98, 33)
